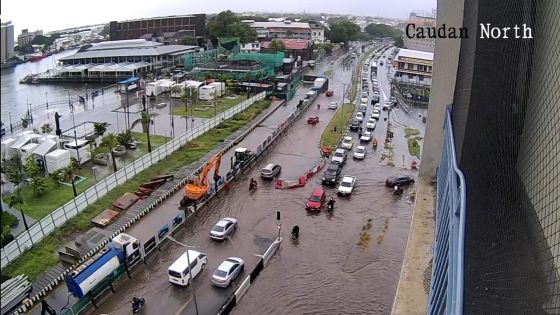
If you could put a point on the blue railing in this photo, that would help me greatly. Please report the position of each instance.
(446, 287)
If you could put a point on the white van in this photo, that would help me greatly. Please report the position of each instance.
(179, 271)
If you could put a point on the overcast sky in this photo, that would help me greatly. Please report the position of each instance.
(50, 15)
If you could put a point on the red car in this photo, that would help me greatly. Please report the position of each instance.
(316, 200)
(329, 93)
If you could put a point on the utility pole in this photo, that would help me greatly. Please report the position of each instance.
(342, 106)
(190, 271)
(147, 129)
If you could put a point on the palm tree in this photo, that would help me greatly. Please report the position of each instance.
(110, 141)
(69, 173)
(145, 119)
(16, 176)
(100, 128)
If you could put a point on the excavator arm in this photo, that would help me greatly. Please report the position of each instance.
(195, 189)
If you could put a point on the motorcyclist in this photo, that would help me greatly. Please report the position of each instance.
(397, 190)
(318, 106)
(295, 232)
(330, 203)
(137, 302)
(253, 183)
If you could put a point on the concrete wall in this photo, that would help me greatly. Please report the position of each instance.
(446, 60)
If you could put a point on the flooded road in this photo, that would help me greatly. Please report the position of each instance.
(332, 269)
(326, 272)
(297, 152)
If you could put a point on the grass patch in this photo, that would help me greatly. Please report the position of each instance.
(204, 109)
(414, 147)
(411, 132)
(142, 140)
(55, 196)
(43, 255)
(39, 207)
(330, 138)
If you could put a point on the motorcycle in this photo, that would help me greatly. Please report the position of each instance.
(137, 304)
(253, 185)
(330, 205)
(318, 106)
(375, 144)
(398, 191)
(295, 233)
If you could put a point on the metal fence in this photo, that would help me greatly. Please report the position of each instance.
(446, 287)
(61, 215)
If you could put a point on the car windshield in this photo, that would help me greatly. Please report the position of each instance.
(220, 273)
(218, 228)
(359, 150)
(315, 198)
(345, 184)
(347, 140)
(338, 154)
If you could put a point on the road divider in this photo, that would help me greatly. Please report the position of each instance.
(289, 184)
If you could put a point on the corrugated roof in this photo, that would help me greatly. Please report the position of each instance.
(409, 53)
(139, 50)
(45, 147)
(280, 25)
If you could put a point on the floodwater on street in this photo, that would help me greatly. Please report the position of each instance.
(325, 272)
(345, 262)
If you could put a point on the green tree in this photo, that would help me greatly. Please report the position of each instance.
(344, 31)
(277, 45)
(227, 24)
(399, 41)
(145, 119)
(381, 30)
(16, 176)
(110, 141)
(125, 138)
(38, 185)
(57, 177)
(31, 167)
(69, 174)
(100, 128)
(46, 128)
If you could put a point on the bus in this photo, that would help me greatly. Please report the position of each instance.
(374, 68)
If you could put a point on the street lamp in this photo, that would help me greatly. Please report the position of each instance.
(190, 271)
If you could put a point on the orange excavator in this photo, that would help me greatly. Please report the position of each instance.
(197, 187)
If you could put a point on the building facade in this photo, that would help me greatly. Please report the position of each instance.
(7, 41)
(296, 49)
(413, 74)
(422, 44)
(505, 113)
(133, 29)
(27, 37)
(284, 29)
(317, 32)
(251, 48)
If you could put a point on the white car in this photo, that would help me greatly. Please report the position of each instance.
(360, 152)
(346, 186)
(339, 156)
(333, 105)
(359, 116)
(224, 228)
(366, 137)
(365, 94)
(371, 124)
(377, 106)
(363, 100)
(375, 114)
(347, 143)
(227, 271)
(386, 106)
(179, 272)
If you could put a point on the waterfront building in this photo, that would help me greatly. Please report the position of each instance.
(194, 25)
(116, 60)
(7, 41)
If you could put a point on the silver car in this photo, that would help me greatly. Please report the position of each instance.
(224, 228)
(227, 271)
